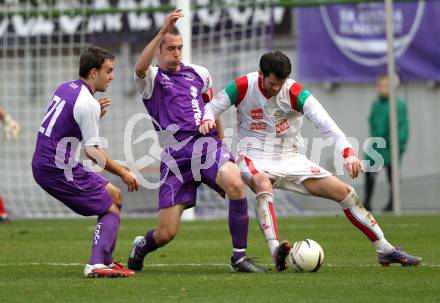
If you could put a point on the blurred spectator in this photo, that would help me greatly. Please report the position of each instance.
(379, 127)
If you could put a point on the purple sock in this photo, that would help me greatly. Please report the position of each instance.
(108, 259)
(104, 238)
(238, 226)
(146, 246)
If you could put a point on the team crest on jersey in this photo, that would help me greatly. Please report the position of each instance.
(280, 127)
(194, 91)
(188, 76)
(257, 114)
(279, 114)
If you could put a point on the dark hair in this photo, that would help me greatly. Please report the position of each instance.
(173, 31)
(275, 63)
(92, 58)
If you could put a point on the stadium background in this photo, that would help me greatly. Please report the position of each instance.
(33, 63)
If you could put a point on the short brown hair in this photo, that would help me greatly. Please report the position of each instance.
(275, 63)
(92, 58)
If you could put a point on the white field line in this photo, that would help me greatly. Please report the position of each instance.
(192, 264)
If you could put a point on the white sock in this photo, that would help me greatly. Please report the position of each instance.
(365, 222)
(273, 245)
(383, 246)
(267, 219)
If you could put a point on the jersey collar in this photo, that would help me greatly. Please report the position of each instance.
(86, 85)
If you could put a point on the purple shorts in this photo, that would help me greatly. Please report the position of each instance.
(182, 171)
(85, 194)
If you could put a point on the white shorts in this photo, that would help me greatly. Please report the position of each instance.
(287, 174)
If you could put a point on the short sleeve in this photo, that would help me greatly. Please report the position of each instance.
(87, 113)
(145, 85)
(206, 77)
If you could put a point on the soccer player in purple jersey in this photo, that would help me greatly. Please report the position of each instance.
(173, 95)
(73, 116)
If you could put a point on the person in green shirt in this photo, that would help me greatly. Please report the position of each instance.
(379, 127)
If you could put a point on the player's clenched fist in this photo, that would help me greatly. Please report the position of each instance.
(171, 19)
(206, 126)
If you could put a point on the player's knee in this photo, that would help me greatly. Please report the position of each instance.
(347, 190)
(165, 236)
(117, 196)
(114, 208)
(235, 188)
(344, 192)
(261, 183)
(115, 193)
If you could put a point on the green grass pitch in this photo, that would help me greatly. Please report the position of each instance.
(43, 260)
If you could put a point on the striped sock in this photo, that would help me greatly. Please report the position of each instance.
(364, 221)
(267, 220)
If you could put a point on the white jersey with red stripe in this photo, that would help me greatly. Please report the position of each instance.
(270, 120)
(269, 127)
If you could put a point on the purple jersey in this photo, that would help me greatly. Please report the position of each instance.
(73, 113)
(176, 97)
(72, 116)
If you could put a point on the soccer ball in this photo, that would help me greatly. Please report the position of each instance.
(305, 256)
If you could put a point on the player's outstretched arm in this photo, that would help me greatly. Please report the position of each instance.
(352, 163)
(147, 55)
(99, 156)
(219, 126)
(213, 110)
(316, 114)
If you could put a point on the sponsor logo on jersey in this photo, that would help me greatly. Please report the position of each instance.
(258, 126)
(257, 114)
(195, 105)
(188, 76)
(282, 126)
